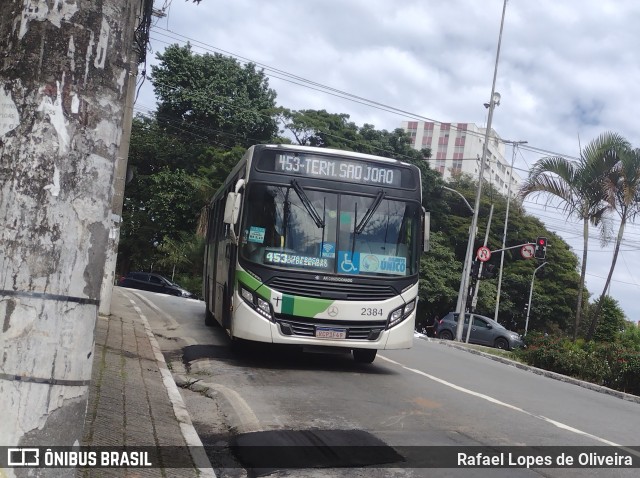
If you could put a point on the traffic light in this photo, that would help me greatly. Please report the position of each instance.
(541, 248)
(488, 271)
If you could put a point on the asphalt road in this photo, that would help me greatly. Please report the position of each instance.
(406, 402)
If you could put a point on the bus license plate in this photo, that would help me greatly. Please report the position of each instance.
(326, 333)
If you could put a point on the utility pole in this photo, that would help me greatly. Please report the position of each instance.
(64, 80)
(474, 296)
(118, 196)
(515, 145)
(493, 102)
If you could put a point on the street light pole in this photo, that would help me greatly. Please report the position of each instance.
(465, 269)
(493, 102)
(533, 277)
(515, 145)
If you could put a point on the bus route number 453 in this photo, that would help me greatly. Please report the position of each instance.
(329, 333)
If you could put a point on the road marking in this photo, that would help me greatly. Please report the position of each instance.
(504, 404)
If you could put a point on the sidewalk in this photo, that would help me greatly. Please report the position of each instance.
(133, 400)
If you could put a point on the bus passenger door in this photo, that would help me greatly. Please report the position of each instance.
(221, 303)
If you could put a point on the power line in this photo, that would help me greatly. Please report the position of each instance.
(613, 280)
(301, 81)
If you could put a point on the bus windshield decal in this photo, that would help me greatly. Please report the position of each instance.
(376, 263)
(359, 263)
(328, 249)
(256, 234)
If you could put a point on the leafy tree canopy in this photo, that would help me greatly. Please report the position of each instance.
(214, 96)
(555, 288)
(612, 319)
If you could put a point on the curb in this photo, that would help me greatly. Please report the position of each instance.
(248, 422)
(539, 371)
(191, 438)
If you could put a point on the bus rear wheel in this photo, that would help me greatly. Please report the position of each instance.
(364, 355)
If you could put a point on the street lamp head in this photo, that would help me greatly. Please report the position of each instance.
(495, 101)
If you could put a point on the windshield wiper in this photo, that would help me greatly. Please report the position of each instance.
(367, 215)
(307, 204)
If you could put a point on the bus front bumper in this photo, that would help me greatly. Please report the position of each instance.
(250, 325)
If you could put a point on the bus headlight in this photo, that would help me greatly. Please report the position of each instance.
(263, 306)
(401, 313)
(246, 295)
(257, 303)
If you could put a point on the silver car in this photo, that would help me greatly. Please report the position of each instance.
(484, 331)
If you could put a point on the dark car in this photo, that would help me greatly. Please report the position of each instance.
(152, 282)
(484, 331)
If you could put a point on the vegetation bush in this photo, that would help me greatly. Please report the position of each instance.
(190, 282)
(613, 364)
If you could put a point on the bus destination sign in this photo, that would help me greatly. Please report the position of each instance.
(339, 169)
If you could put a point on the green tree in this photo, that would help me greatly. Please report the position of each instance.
(554, 291)
(179, 252)
(157, 207)
(613, 319)
(319, 128)
(622, 188)
(439, 279)
(157, 145)
(330, 130)
(214, 96)
(578, 186)
(216, 164)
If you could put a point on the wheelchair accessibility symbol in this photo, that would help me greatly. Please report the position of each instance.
(348, 264)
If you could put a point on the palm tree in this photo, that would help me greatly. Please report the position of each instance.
(622, 188)
(578, 185)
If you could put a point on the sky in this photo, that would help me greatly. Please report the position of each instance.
(567, 72)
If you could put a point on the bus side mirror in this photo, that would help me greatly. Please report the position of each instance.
(232, 208)
(426, 229)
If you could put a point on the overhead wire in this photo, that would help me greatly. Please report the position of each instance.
(301, 81)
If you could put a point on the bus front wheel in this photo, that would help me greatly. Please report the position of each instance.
(364, 355)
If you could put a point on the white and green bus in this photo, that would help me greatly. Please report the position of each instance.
(316, 247)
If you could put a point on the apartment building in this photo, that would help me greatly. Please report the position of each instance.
(456, 148)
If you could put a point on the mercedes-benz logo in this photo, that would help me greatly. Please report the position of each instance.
(332, 311)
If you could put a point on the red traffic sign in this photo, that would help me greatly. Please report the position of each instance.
(527, 251)
(483, 254)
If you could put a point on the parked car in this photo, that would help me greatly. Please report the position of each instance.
(484, 331)
(152, 282)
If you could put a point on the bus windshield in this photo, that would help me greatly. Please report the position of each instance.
(291, 227)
